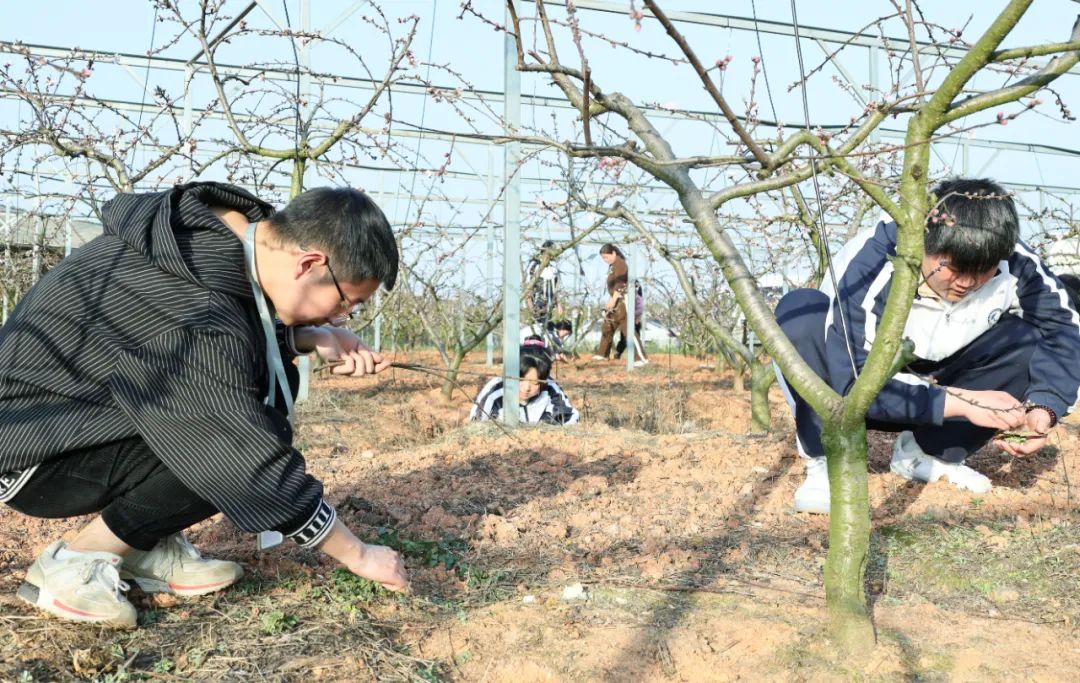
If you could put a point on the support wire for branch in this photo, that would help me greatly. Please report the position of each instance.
(423, 115)
(296, 64)
(146, 75)
(817, 194)
(761, 56)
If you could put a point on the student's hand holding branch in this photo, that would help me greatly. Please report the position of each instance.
(1037, 424)
(985, 408)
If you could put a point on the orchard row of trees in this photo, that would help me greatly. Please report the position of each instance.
(938, 102)
(280, 124)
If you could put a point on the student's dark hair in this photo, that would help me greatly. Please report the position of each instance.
(538, 358)
(974, 224)
(610, 248)
(348, 225)
(563, 325)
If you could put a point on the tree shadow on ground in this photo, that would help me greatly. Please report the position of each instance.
(493, 483)
(651, 642)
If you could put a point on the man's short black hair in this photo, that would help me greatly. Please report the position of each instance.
(536, 357)
(563, 325)
(346, 224)
(973, 223)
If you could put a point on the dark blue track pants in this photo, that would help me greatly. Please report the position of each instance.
(998, 359)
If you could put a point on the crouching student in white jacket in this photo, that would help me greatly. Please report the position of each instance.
(540, 399)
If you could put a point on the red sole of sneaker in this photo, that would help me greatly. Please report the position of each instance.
(32, 594)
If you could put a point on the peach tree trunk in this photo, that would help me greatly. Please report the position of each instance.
(454, 367)
(849, 535)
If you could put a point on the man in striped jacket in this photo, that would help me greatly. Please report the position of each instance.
(145, 378)
(997, 342)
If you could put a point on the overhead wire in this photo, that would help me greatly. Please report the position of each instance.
(146, 74)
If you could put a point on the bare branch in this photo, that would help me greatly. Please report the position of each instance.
(707, 82)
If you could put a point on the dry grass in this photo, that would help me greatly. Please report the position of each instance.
(286, 628)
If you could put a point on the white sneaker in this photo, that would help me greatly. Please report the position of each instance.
(911, 463)
(599, 357)
(175, 566)
(79, 586)
(813, 495)
(641, 363)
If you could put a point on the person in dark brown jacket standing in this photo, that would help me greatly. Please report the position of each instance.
(615, 308)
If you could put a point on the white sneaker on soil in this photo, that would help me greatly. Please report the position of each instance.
(79, 586)
(641, 363)
(813, 495)
(599, 357)
(911, 463)
(175, 566)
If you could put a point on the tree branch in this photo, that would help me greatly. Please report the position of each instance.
(1054, 68)
(707, 82)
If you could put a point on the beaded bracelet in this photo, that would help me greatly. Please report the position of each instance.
(1048, 409)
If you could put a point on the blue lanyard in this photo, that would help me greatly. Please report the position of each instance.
(273, 354)
(267, 539)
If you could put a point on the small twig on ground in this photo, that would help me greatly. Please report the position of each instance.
(699, 589)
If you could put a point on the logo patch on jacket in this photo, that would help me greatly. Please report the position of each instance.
(995, 316)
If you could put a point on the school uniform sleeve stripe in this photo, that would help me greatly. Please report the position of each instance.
(488, 404)
(1044, 302)
(560, 407)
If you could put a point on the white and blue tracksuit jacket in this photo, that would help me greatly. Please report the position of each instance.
(550, 406)
(1022, 286)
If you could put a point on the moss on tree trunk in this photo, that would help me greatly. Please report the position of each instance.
(849, 535)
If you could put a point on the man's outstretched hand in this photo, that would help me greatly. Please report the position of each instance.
(374, 562)
(382, 565)
(343, 348)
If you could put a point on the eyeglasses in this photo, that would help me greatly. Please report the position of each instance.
(350, 311)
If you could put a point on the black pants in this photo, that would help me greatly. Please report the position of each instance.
(620, 346)
(139, 498)
(996, 359)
